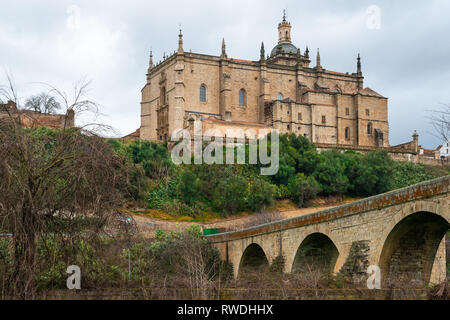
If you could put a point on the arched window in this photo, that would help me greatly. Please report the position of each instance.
(163, 96)
(369, 128)
(202, 93)
(242, 97)
(347, 133)
(279, 96)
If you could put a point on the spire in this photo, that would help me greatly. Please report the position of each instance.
(224, 53)
(180, 42)
(359, 72)
(299, 56)
(307, 53)
(318, 65)
(284, 30)
(151, 59)
(262, 51)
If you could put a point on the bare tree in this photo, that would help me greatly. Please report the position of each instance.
(196, 268)
(43, 102)
(67, 182)
(440, 120)
(162, 173)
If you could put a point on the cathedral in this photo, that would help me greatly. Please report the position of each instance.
(281, 91)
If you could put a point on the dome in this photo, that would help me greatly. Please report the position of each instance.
(285, 48)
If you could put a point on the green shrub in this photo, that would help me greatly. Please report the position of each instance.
(260, 194)
(302, 189)
(230, 195)
(330, 173)
(154, 158)
(277, 265)
(96, 261)
(229, 189)
(158, 198)
(407, 173)
(374, 174)
(282, 192)
(188, 187)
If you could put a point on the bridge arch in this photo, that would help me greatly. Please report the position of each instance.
(410, 247)
(316, 251)
(253, 259)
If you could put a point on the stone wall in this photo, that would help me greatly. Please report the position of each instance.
(433, 162)
(30, 119)
(396, 154)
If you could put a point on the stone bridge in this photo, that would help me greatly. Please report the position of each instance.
(402, 232)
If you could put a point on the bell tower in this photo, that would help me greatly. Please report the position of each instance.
(284, 30)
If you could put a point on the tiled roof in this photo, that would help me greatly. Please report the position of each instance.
(234, 122)
(135, 135)
(240, 60)
(335, 72)
(370, 92)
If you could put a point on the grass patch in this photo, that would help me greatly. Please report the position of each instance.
(438, 171)
(154, 214)
(204, 217)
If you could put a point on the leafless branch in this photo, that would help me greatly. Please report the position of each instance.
(440, 120)
(67, 183)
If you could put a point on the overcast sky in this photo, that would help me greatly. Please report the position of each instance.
(404, 46)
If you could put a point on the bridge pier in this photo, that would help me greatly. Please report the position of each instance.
(343, 255)
(439, 270)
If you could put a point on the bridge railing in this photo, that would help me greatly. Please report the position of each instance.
(415, 192)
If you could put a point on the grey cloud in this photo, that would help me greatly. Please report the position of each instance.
(406, 60)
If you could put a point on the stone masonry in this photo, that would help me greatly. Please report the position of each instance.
(280, 91)
(403, 230)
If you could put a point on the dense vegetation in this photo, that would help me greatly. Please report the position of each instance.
(63, 183)
(149, 178)
(170, 259)
(303, 175)
(173, 265)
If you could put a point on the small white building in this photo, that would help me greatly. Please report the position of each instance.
(445, 150)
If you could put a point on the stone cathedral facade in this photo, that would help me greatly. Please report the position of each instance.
(281, 91)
